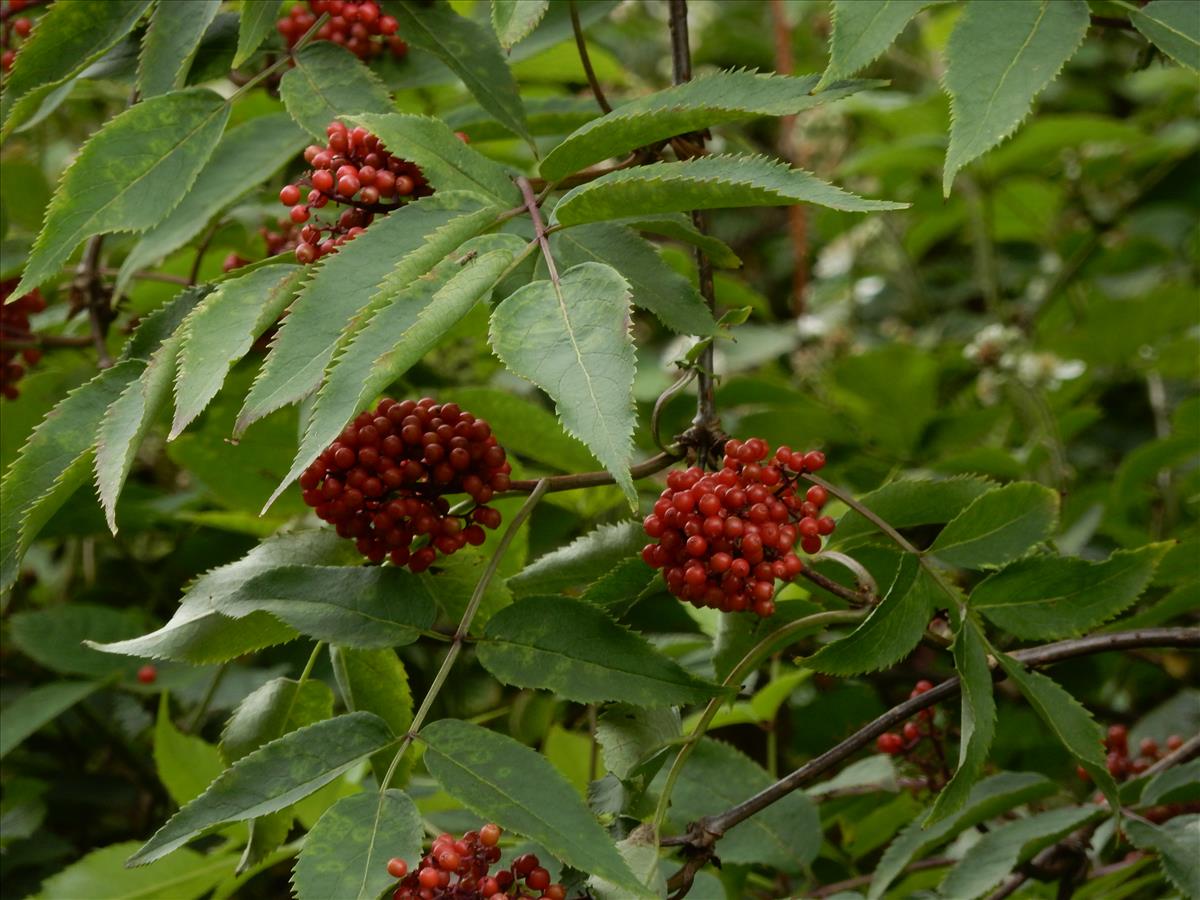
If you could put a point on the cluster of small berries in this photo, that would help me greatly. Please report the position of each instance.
(906, 740)
(353, 170)
(467, 862)
(11, 29)
(14, 326)
(277, 242)
(356, 26)
(722, 538)
(1117, 759)
(383, 481)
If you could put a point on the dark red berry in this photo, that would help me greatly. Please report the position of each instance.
(889, 742)
(147, 674)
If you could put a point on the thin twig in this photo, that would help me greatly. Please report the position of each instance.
(586, 61)
(164, 277)
(206, 700)
(539, 228)
(797, 214)
(594, 479)
(45, 342)
(858, 598)
(863, 511)
(194, 272)
(94, 297)
(703, 835)
(828, 890)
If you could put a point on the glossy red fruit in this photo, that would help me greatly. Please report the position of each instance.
(889, 742)
(147, 674)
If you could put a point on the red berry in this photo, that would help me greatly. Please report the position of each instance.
(489, 835)
(299, 214)
(889, 742)
(290, 195)
(538, 879)
(397, 868)
(147, 674)
(911, 731)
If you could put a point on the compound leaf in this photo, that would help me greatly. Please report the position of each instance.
(170, 44)
(571, 339)
(272, 777)
(709, 182)
(862, 30)
(519, 789)
(1173, 27)
(255, 25)
(998, 59)
(328, 82)
(998, 526)
(222, 329)
(716, 99)
(654, 284)
(513, 20)
(246, 155)
(346, 853)
(1046, 597)
(576, 651)
(128, 175)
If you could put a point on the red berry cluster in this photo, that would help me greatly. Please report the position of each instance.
(467, 863)
(1118, 761)
(353, 170)
(383, 481)
(353, 25)
(722, 538)
(13, 28)
(14, 326)
(906, 740)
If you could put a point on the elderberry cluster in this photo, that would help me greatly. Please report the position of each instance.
(724, 537)
(383, 481)
(14, 326)
(906, 740)
(354, 26)
(460, 869)
(12, 29)
(353, 170)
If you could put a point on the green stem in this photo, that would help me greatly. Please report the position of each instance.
(283, 61)
(209, 693)
(771, 643)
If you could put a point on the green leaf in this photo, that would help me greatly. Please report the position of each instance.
(128, 175)
(1046, 597)
(1173, 27)
(125, 424)
(470, 51)
(514, 19)
(785, 835)
(654, 284)
(978, 719)
(716, 99)
(396, 250)
(572, 340)
(170, 44)
(346, 853)
(582, 561)
(222, 329)
(186, 765)
(679, 227)
(518, 789)
(56, 636)
(988, 798)
(37, 707)
(890, 632)
(255, 25)
(1067, 719)
(246, 156)
(909, 502)
(406, 326)
(68, 38)
(328, 82)
(1178, 784)
(366, 607)
(862, 30)
(277, 708)
(556, 115)
(1001, 850)
(630, 734)
(1175, 843)
(102, 875)
(574, 650)
(526, 428)
(998, 59)
(198, 634)
(446, 162)
(375, 681)
(53, 463)
(273, 777)
(998, 526)
(710, 182)
(163, 322)
(620, 588)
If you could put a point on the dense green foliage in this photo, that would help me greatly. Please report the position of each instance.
(951, 244)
